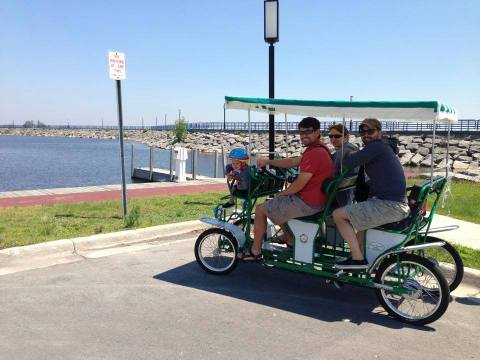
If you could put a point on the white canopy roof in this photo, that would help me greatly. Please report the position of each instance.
(383, 110)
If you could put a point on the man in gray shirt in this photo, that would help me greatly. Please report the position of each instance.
(386, 201)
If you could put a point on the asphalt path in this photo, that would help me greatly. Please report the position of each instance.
(156, 303)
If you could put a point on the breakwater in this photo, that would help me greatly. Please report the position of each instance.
(464, 153)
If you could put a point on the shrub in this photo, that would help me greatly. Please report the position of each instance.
(132, 217)
(180, 130)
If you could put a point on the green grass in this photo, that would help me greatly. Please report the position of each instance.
(470, 257)
(29, 225)
(35, 224)
(462, 201)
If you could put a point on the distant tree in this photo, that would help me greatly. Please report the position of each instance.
(32, 124)
(180, 130)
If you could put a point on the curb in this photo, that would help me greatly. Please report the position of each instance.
(70, 250)
(56, 252)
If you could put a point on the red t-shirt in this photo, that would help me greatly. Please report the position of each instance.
(316, 160)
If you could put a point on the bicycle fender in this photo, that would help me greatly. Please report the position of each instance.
(233, 229)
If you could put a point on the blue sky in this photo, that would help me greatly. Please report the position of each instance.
(189, 54)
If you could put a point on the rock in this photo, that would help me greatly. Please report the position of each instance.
(464, 144)
(427, 161)
(458, 165)
(423, 151)
(412, 147)
(406, 158)
(416, 160)
(443, 164)
(417, 140)
(464, 158)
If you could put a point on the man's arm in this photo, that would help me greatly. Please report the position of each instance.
(280, 163)
(299, 183)
(363, 156)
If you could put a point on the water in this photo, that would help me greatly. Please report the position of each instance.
(53, 162)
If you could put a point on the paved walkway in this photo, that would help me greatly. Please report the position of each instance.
(107, 192)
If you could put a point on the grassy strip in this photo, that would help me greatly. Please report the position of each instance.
(470, 257)
(462, 202)
(35, 224)
(30, 225)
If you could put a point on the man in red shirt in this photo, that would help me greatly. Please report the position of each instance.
(304, 196)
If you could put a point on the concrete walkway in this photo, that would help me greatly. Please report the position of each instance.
(467, 234)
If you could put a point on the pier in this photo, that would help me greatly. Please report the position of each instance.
(155, 174)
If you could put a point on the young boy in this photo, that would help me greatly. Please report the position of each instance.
(238, 171)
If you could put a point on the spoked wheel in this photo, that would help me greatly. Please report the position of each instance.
(419, 293)
(216, 251)
(448, 260)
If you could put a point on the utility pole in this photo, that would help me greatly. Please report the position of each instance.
(156, 122)
(165, 121)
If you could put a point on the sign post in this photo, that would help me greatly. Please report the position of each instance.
(116, 65)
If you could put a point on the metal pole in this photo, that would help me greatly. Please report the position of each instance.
(194, 164)
(165, 121)
(151, 163)
(171, 163)
(286, 135)
(271, 95)
(351, 99)
(224, 125)
(215, 165)
(133, 163)
(122, 155)
(223, 161)
(156, 122)
(433, 149)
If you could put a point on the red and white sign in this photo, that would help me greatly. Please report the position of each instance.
(116, 65)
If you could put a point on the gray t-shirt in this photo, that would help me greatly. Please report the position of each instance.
(348, 148)
(344, 197)
(383, 168)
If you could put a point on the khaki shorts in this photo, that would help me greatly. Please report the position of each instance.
(280, 209)
(375, 212)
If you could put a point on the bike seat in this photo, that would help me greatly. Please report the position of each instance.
(314, 217)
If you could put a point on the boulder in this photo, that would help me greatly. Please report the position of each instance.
(406, 158)
(412, 147)
(416, 160)
(459, 165)
(423, 151)
(464, 144)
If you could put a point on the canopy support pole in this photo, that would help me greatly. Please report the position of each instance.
(286, 135)
(249, 134)
(343, 140)
(447, 168)
(433, 149)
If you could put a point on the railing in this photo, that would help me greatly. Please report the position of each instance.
(463, 126)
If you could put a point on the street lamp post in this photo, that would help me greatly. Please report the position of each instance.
(271, 37)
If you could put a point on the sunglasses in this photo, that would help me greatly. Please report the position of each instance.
(367, 131)
(305, 132)
(334, 136)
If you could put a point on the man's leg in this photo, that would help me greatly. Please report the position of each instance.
(361, 241)
(348, 233)
(286, 233)
(259, 229)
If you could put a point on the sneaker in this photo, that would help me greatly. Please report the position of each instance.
(349, 263)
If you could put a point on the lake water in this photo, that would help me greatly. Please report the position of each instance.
(52, 162)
